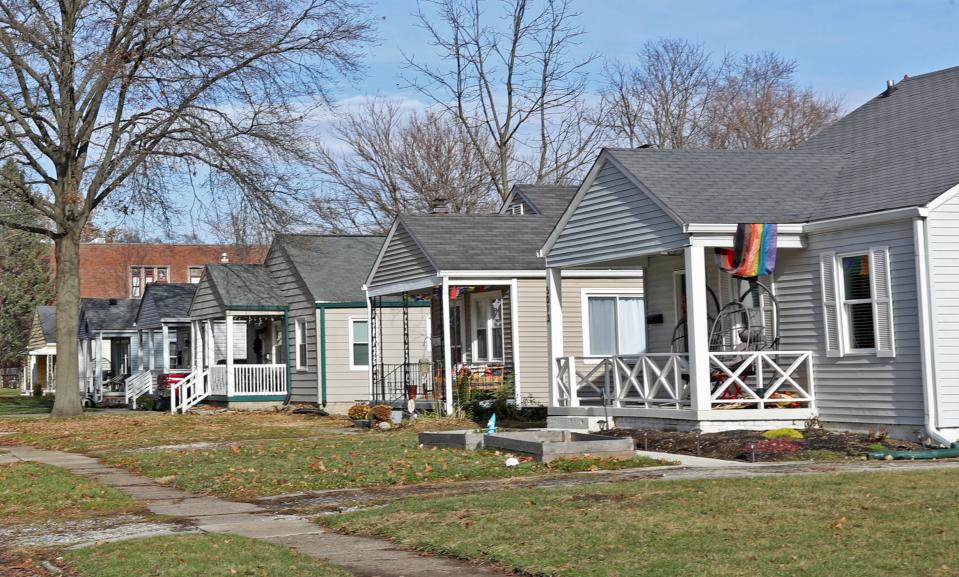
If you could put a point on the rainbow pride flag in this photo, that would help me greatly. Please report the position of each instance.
(753, 253)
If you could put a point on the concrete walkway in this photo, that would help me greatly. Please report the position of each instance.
(362, 556)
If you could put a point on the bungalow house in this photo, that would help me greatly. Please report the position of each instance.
(238, 319)
(163, 335)
(320, 278)
(108, 348)
(41, 352)
(484, 285)
(855, 325)
(293, 329)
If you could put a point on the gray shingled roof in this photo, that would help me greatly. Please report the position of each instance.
(244, 285)
(895, 151)
(481, 242)
(109, 314)
(48, 322)
(729, 186)
(550, 201)
(334, 268)
(172, 300)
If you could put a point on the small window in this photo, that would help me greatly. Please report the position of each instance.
(140, 276)
(300, 337)
(615, 324)
(359, 344)
(194, 273)
(859, 328)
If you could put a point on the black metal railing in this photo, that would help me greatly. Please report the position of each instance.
(416, 381)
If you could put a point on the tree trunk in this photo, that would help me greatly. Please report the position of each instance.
(67, 402)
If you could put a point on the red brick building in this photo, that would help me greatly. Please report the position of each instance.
(122, 270)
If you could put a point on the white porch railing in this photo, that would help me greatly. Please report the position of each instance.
(737, 380)
(136, 386)
(761, 379)
(249, 380)
(652, 380)
(190, 391)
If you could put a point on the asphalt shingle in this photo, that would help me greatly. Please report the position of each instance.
(334, 268)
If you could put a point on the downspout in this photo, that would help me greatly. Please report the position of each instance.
(286, 347)
(923, 288)
(322, 353)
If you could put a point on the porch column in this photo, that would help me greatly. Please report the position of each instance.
(33, 367)
(165, 347)
(140, 349)
(208, 342)
(447, 351)
(150, 350)
(98, 368)
(372, 339)
(697, 328)
(554, 287)
(230, 377)
(193, 345)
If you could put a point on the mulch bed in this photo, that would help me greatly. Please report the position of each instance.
(742, 445)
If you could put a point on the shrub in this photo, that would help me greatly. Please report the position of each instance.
(382, 412)
(784, 433)
(358, 412)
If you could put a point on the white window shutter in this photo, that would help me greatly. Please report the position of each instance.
(830, 304)
(882, 302)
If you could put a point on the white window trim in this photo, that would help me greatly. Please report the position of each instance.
(299, 338)
(351, 321)
(608, 292)
(143, 283)
(475, 300)
(846, 348)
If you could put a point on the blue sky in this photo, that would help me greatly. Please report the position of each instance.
(845, 48)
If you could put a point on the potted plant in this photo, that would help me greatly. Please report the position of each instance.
(360, 415)
(411, 391)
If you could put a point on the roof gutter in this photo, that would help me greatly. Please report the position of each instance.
(893, 215)
(924, 292)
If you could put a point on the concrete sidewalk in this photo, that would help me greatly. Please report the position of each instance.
(364, 557)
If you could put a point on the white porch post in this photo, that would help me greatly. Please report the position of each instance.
(210, 345)
(140, 349)
(230, 377)
(554, 286)
(151, 346)
(194, 346)
(447, 350)
(165, 347)
(33, 367)
(98, 368)
(697, 329)
(373, 351)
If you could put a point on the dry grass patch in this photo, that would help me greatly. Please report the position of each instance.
(98, 433)
(840, 525)
(31, 492)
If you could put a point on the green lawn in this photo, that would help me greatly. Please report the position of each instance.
(31, 492)
(97, 433)
(841, 525)
(370, 459)
(196, 555)
(12, 403)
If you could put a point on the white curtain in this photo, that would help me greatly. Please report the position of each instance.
(602, 325)
(632, 325)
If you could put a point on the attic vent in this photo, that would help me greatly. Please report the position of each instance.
(890, 88)
(516, 208)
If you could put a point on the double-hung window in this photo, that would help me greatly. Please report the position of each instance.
(488, 327)
(857, 303)
(614, 323)
(299, 334)
(359, 344)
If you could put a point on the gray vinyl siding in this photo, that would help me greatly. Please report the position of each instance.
(863, 389)
(943, 223)
(402, 260)
(304, 382)
(533, 340)
(206, 305)
(346, 385)
(573, 306)
(615, 218)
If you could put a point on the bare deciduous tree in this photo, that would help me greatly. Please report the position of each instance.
(391, 161)
(677, 96)
(758, 105)
(507, 78)
(124, 102)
